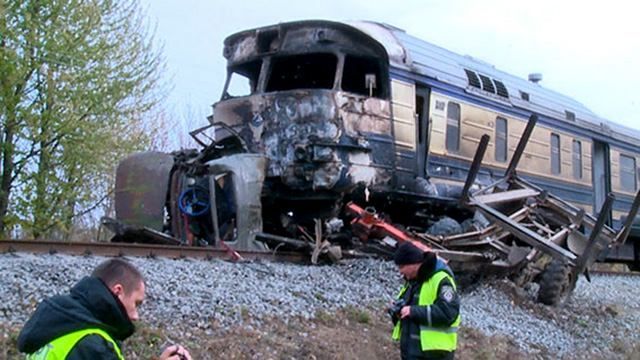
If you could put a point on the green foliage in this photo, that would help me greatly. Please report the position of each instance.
(79, 82)
(146, 343)
(324, 317)
(245, 314)
(358, 314)
(319, 297)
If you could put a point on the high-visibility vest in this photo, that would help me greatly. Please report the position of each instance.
(59, 348)
(432, 338)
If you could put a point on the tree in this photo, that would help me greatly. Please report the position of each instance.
(79, 81)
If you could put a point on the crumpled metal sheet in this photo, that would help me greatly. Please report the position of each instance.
(142, 182)
(247, 171)
(313, 139)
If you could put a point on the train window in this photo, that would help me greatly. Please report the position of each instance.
(524, 96)
(242, 79)
(356, 72)
(472, 78)
(239, 85)
(571, 116)
(577, 159)
(308, 71)
(627, 173)
(555, 154)
(501, 139)
(501, 90)
(487, 84)
(453, 126)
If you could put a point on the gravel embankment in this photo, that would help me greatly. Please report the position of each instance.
(213, 294)
(597, 321)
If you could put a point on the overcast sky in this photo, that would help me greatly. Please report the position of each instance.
(587, 50)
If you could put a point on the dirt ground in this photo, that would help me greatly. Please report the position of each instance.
(347, 334)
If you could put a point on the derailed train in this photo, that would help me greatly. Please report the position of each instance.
(317, 114)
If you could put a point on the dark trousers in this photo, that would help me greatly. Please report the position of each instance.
(433, 355)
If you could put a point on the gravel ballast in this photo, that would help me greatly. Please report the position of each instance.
(600, 317)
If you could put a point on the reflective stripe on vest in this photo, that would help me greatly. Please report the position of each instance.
(433, 338)
(59, 348)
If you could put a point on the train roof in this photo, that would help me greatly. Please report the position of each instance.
(416, 55)
(473, 76)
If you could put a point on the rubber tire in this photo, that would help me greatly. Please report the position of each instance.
(556, 283)
(635, 265)
(445, 226)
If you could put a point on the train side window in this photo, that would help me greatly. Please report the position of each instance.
(577, 159)
(356, 71)
(242, 80)
(501, 139)
(555, 154)
(453, 126)
(239, 85)
(627, 173)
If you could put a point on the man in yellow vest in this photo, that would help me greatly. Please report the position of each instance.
(92, 319)
(426, 313)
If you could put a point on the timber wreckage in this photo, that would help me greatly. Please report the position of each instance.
(343, 139)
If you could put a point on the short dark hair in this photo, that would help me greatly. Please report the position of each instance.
(119, 271)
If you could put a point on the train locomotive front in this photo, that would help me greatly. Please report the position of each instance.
(313, 97)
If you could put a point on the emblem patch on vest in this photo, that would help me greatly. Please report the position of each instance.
(447, 293)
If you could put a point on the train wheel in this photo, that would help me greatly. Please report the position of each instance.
(556, 283)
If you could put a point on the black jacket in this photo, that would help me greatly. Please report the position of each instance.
(89, 304)
(442, 313)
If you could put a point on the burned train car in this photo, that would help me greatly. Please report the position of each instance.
(317, 114)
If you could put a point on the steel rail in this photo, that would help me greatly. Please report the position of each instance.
(138, 250)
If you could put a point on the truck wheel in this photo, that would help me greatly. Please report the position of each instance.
(556, 283)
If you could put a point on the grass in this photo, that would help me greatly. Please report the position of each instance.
(245, 313)
(359, 315)
(324, 317)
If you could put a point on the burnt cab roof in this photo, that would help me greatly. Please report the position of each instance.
(300, 37)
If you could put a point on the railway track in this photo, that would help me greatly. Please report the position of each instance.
(140, 250)
(174, 252)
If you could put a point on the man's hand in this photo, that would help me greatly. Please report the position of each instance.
(405, 312)
(175, 352)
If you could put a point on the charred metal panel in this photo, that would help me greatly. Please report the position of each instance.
(248, 176)
(361, 117)
(314, 139)
(142, 182)
(368, 122)
(300, 37)
(383, 159)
